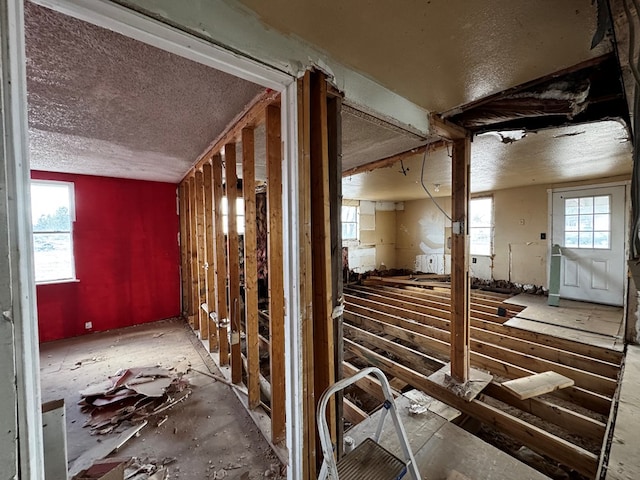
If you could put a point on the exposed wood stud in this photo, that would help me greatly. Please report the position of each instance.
(334, 134)
(210, 254)
(202, 321)
(250, 267)
(323, 335)
(185, 224)
(195, 298)
(220, 266)
(306, 280)
(184, 279)
(231, 188)
(276, 272)
(460, 283)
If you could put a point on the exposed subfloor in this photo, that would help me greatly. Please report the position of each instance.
(208, 432)
(599, 325)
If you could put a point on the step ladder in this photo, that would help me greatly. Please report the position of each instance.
(369, 460)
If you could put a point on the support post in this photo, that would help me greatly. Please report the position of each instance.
(460, 326)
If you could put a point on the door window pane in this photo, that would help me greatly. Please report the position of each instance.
(587, 222)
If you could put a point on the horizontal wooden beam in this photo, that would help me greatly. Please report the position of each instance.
(352, 413)
(446, 129)
(393, 159)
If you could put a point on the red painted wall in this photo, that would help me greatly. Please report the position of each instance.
(126, 258)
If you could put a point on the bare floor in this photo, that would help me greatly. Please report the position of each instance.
(599, 325)
(209, 434)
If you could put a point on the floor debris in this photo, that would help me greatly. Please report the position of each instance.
(133, 395)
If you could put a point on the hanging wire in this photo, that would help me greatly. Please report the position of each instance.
(424, 160)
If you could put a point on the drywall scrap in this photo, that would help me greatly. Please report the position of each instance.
(132, 395)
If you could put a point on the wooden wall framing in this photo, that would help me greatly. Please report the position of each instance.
(212, 277)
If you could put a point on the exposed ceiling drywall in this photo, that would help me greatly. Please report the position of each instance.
(443, 53)
(580, 152)
(104, 104)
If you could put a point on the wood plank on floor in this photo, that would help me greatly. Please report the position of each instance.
(538, 384)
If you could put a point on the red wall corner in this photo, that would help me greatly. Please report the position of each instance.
(126, 258)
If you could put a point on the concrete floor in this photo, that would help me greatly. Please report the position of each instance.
(207, 433)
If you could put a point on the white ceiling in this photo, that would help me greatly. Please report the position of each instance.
(581, 152)
(101, 103)
(104, 104)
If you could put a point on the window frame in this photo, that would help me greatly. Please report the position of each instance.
(357, 223)
(72, 219)
(491, 227)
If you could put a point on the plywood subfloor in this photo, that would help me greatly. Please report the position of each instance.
(206, 433)
(443, 450)
(599, 325)
(624, 461)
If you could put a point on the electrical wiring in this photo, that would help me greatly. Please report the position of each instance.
(424, 161)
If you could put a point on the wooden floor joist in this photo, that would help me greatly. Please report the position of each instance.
(416, 334)
(499, 360)
(537, 439)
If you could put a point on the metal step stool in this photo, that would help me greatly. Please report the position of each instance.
(369, 460)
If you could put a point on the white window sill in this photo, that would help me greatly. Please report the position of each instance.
(55, 282)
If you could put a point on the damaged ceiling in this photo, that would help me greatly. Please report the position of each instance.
(551, 156)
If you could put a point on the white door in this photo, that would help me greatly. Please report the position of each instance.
(589, 225)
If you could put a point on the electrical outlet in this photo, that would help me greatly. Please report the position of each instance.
(474, 260)
(88, 325)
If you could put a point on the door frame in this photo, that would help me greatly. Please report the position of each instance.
(627, 218)
(135, 25)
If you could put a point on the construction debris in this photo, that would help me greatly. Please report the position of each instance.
(132, 395)
(127, 469)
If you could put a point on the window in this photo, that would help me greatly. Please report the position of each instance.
(587, 222)
(481, 225)
(239, 215)
(52, 214)
(349, 222)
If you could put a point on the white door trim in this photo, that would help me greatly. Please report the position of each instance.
(21, 393)
(140, 27)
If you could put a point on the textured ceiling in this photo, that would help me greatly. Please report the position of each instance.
(442, 53)
(104, 104)
(580, 152)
